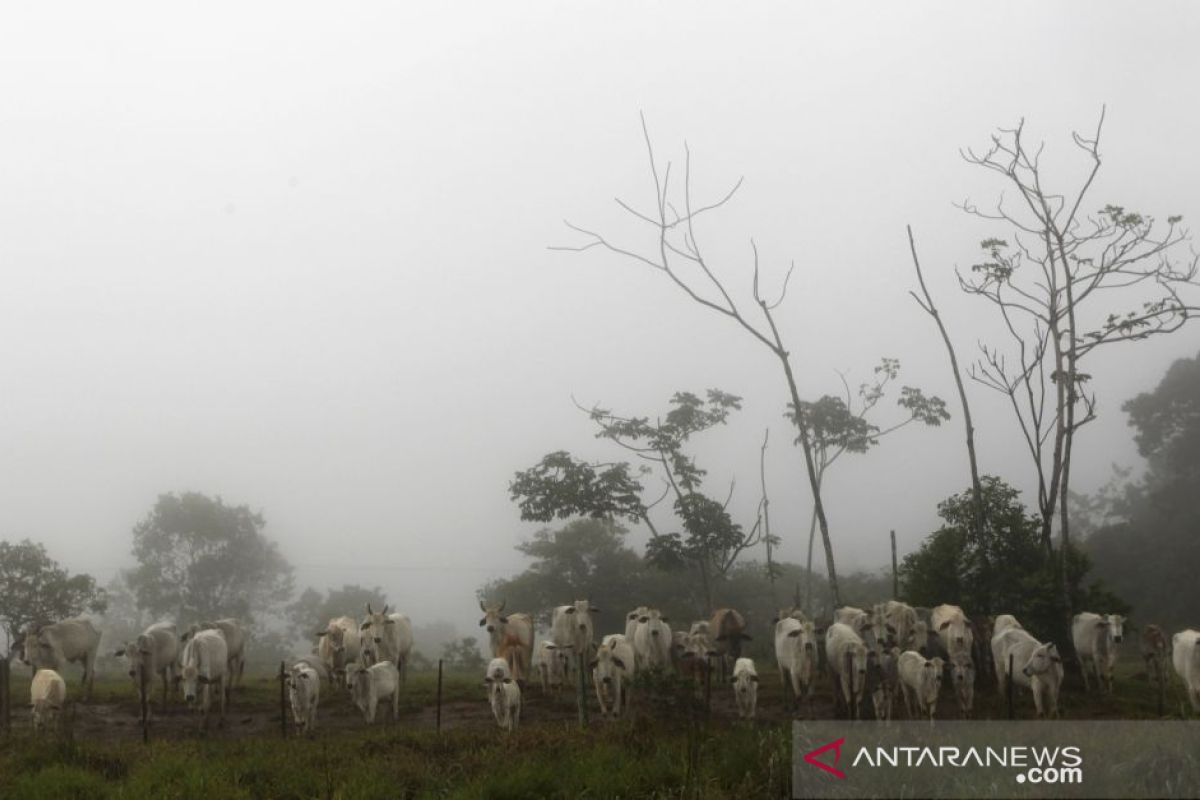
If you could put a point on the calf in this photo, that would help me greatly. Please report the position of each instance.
(921, 682)
(204, 667)
(510, 636)
(652, 641)
(1154, 650)
(1096, 638)
(745, 687)
(847, 663)
(47, 696)
(796, 658)
(613, 665)
(1036, 666)
(375, 683)
(962, 678)
(1185, 655)
(72, 641)
(304, 693)
(883, 682)
(154, 652)
(339, 644)
(505, 696)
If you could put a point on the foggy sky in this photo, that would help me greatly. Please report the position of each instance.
(295, 254)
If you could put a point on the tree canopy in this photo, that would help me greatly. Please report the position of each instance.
(198, 558)
(36, 588)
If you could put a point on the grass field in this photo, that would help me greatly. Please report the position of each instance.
(670, 747)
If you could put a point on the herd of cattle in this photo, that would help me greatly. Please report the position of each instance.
(892, 649)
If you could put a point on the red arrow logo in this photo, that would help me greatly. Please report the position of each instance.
(836, 747)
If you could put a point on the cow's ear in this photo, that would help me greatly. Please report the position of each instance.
(593, 664)
(483, 622)
(177, 679)
(389, 622)
(508, 680)
(618, 662)
(503, 620)
(202, 679)
(319, 634)
(594, 610)
(364, 626)
(665, 619)
(119, 653)
(1056, 659)
(944, 625)
(144, 652)
(793, 634)
(754, 678)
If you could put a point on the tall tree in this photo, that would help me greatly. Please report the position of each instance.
(36, 588)
(198, 558)
(678, 254)
(1066, 284)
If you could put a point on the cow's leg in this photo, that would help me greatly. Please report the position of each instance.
(1083, 667)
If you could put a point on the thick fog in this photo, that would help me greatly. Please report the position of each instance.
(296, 254)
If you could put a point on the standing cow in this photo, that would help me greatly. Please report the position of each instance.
(848, 657)
(573, 634)
(72, 641)
(652, 641)
(511, 638)
(390, 638)
(611, 669)
(47, 697)
(235, 644)
(1096, 638)
(304, 694)
(154, 652)
(1185, 656)
(339, 645)
(796, 658)
(921, 682)
(1035, 665)
(375, 683)
(953, 629)
(727, 628)
(203, 669)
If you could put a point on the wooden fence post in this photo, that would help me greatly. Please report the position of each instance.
(143, 694)
(1011, 714)
(849, 673)
(439, 697)
(583, 704)
(895, 570)
(283, 699)
(5, 717)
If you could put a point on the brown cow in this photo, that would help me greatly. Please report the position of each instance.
(727, 629)
(1154, 651)
(511, 638)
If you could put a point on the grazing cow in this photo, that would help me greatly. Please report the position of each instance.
(304, 693)
(235, 643)
(511, 638)
(921, 682)
(505, 697)
(847, 663)
(983, 629)
(47, 696)
(860, 622)
(1154, 651)
(962, 678)
(154, 652)
(1096, 638)
(203, 669)
(375, 683)
(613, 665)
(572, 632)
(1036, 666)
(883, 682)
(391, 638)
(549, 667)
(72, 641)
(339, 645)
(652, 641)
(1185, 655)
(745, 687)
(796, 657)
(728, 630)
(952, 628)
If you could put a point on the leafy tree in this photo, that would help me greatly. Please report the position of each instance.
(36, 588)
(1008, 568)
(313, 609)
(464, 655)
(1149, 549)
(200, 558)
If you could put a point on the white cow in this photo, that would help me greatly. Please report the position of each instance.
(72, 641)
(304, 692)
(652, 641)
(235, 644)
(391, 637)
(549, 666)
(572, 632)
(921, 682)
(862, 623)
(1096, 638)
(796, 657)
(846, 649)
(1003, 623)
(1036, 666)
(47, 696)
(154, 652)
(952, 628)
(1185, 655)
(511, 638)
(613, 665)
(339, 644)
(497, 670)
(745, 687)
(896, 624)
(204, 667)
(505, 697)
(375, 683)
(631, 621)
(962, 678)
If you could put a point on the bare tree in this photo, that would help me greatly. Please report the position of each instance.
(1067, 284)
(679, 256)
